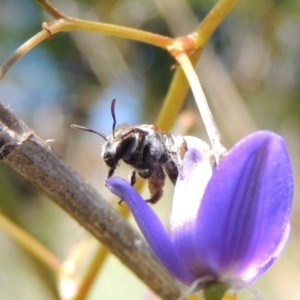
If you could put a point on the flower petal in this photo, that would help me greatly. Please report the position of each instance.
(195, 173)
(244, 216)
(151, 228)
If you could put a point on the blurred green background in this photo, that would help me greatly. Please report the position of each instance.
(250, 73)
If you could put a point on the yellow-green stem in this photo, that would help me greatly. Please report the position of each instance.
(68, 24)
(114, 30)
(30, 244)
(30, 44)
(212, 20)
(119, 31)
(174, 98)
(179, 86)
(215, 290)
(91, 273)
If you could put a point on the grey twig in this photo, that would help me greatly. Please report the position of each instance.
(27, 154)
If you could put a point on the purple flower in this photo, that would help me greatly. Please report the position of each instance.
(229, 224)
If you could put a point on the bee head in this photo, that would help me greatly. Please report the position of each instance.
(112, 149)
(120, 146)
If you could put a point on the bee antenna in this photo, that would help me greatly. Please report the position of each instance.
(89, 130)
(113, 114)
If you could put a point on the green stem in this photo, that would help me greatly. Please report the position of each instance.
(91, 273)
(30, 244)
(180, 86)
(175, 98)
(55, 27)
(213, 19)
(66, 23)
(69, 24)
(119, 31)
(104, 28)
(215, 290)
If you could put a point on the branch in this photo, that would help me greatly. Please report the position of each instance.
(26, 153)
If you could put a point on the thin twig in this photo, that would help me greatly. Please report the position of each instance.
(207, 117)
(50, 9)
(26, 153)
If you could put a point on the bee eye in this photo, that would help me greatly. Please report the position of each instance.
(126, 146)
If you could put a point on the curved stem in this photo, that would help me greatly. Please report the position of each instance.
(30, 44)
(68, 24)
(30, 244)
(120, 31)
(104, 28)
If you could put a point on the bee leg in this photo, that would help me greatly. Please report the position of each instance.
(172, 170)
(145, 174)
(110, 172)
(178, 147)
(132, 177)
(156, 183)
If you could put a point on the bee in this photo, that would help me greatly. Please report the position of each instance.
(151, 152)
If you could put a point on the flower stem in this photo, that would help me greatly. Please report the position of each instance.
(216, 291)
(207, 117)
(30, 244)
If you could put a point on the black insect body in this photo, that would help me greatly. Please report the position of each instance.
(150, 151)
(147, 149)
